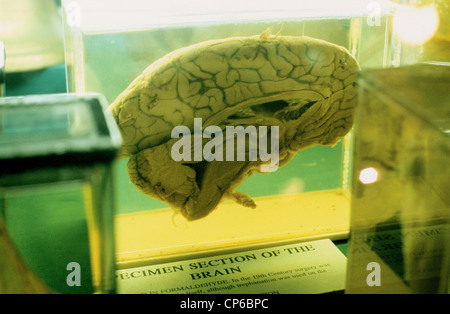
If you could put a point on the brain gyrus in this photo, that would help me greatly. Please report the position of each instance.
(304, 87)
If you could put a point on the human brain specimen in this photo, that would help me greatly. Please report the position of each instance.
(303, 86)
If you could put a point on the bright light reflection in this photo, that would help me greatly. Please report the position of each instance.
(416, 25)
(368, 175)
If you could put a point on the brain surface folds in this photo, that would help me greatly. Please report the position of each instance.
(304, 86)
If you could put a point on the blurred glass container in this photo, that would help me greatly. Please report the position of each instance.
(400, 202)
(56, 188)
(32, 33)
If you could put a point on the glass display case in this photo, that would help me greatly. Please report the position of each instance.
(56, 188)
(399, 240)
(108, 44)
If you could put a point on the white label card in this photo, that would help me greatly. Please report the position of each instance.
(307, 267)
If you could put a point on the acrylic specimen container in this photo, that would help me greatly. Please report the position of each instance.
(56, 188)
(399, 240)
(110, 43)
